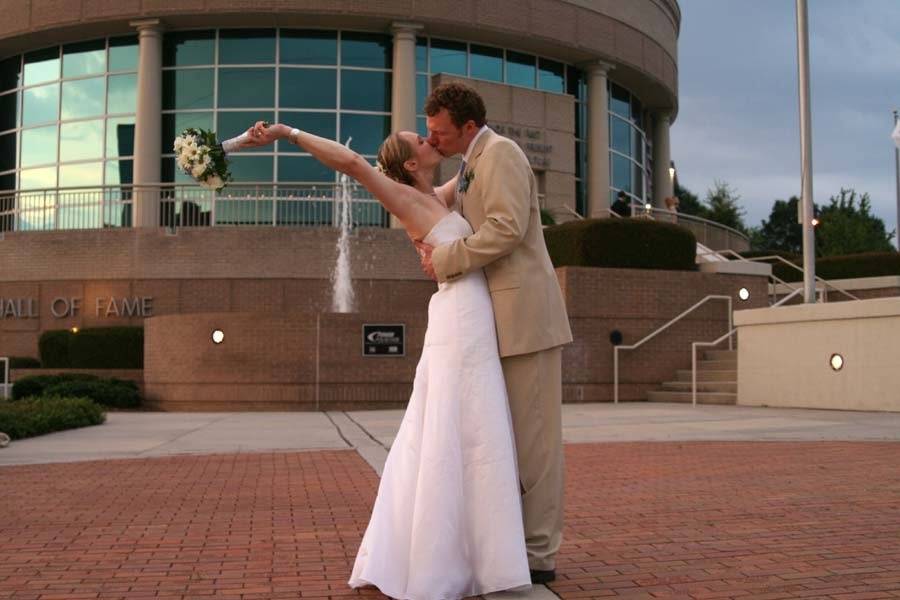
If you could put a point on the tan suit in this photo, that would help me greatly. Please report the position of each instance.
(501, 204)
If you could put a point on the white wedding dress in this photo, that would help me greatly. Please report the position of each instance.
(447, 521)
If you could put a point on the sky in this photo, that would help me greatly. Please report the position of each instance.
(738, 118)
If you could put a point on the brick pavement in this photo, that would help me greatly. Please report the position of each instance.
(702, 520)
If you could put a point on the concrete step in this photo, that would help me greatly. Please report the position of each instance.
(702, 398)
(720, 355)
(725, 387)
(707, 375)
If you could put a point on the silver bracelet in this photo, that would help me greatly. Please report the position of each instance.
(292, 138)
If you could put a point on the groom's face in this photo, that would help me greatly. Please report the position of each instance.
(446, 137)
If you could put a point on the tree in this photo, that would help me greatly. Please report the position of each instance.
(688, 203)
(845, 228)
(781, 231)
(724, 207)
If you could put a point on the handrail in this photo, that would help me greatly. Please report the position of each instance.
(690, 217)
(694, 346)
(652, 335)
(783, 260)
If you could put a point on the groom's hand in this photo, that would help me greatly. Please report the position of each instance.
(425, 258)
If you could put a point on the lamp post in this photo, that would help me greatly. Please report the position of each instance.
(806, 195)
(896, 136)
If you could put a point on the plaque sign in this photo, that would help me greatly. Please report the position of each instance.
(384, 340)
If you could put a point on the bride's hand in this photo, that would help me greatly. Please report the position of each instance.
(262, 134)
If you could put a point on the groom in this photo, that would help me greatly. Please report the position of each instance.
(495, 191)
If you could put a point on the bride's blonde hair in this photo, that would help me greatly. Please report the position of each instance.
(395, 151)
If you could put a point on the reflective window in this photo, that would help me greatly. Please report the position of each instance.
(620, 135)
(122, 94)
(246, 88)
(487, 63)
(421, 92)
(9, 111)
(8, 182)
(246, 46)
(366, 50)
(520, 69)
(174, 123)
(40, 104)
(86, 58)
(187, 89)
(187, 48)
(638, 174)
(575, 84)
(34, 179)
(81, 140)
(621, 172)
(119, 172)
(7, 152)
(366, 90)
(10, 73)
(619, 101)
(421, 54)
(252, 168)
(120, 136)
(422, 126)
(303, 169)
(307, 88)
(83, 97)
(636, 111)
(367, 131)
(123, 53)
(232, 124)
(81, 174)
(448, 57)
(38, 146)
(551, 76)
(320, 124)
(308, 47)
(42, 66)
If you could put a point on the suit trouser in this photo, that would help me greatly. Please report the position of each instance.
(534, 386)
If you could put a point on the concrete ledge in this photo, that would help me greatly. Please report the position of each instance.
(860, 309)
(850, 285)
(737, 267)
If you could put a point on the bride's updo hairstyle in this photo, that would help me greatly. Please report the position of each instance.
(393, 153)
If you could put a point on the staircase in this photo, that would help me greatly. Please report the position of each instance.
(716, 381)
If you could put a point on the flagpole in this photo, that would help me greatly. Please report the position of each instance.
(806, 195)
(897, 177)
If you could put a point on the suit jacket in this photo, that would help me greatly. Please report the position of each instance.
(501, 204)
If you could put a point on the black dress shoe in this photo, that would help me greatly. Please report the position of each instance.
(538, 576)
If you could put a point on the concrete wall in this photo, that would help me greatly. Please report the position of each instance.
(784, 355)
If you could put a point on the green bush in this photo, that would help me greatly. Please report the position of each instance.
(850, 266)
(106, 392)
(37, 416)
(622, 243)
(36, 385)
(95, 348)
(23, 362)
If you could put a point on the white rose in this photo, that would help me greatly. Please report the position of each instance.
(178, 145)
(183, 162)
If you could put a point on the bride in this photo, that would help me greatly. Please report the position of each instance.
(447, 521)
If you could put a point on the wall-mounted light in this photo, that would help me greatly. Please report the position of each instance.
(744, 294)
(837, 362)
(218, 336)
(74, 330)
(672, 169)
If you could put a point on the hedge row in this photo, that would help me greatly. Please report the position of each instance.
(97, 348)
(112, 393)
(850, 266)
(37, 416)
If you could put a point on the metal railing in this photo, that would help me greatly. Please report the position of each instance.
(709, 233)
(185, 205)
(659, 330)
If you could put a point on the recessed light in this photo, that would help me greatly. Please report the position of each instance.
(744, 293)
(837, 362)
(218, 336)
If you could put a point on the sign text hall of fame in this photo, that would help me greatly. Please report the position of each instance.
(72, 306)
(531, 140)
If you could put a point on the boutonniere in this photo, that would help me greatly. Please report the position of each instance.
(465, 180)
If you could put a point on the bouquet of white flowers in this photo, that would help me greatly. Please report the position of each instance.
(202, 157)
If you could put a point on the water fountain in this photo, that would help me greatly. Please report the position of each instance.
(342, 297)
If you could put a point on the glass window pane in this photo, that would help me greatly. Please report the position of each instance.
(169, 172)
(80, 175)
(366, 50)
(40, 104)
(636, 111)
(174, 123)
(188, 48)
(307, 88)
(621, 170)
(487, 63)
(638, 181)
(321, 124)
(240, 88)
(9, 111)
(619, 101)
(34, 179)
(123, 53)
(579, 157)
(421, 92)
(421, 127)
(551, 76)
(303, 169)
(10, 73)
(308, 47)
(422, 54)
(619, 135)
(366, 90)
(580, 197)
(7, 152)
(120, 137)
(448, 57)
(122, 94)
(246, 46)
(38, 146)
(41, 66)
(7, 183)
(86, 58)
(520, 69)
(187, 88)
(83, 98)
(119, 172)
(367, 131)
(81, 140)
(637, 145)
(574, 79)
(252, 168)
(232, 124)
(579, 120)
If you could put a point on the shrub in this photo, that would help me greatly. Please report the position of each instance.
(622, 243)
(94, 348)
(849, 266)
(36, 385)
(23, 362)
(37, 416)
(106, 392)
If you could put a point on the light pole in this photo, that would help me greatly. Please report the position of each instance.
(806, 195)
(896, 136)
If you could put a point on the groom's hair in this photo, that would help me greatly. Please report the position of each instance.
(462, 102)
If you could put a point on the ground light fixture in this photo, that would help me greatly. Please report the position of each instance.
(218, 336)
(837, 362)
(74, 330)
(744, 294)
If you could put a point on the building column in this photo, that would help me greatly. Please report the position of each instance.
(403, 82)
(662, 180)
(598, 139)
(148, 123)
